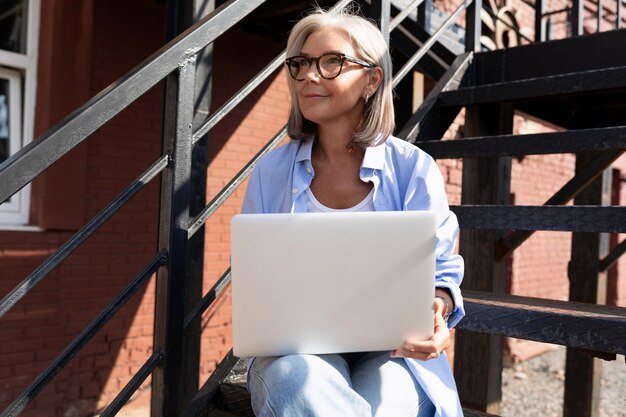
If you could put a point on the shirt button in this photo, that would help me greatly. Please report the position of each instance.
(309, 170)
(294, 191)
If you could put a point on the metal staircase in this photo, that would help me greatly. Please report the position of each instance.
(568, 84)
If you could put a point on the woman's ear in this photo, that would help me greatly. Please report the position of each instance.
(375, 78)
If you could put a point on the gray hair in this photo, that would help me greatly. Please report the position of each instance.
(369, 45)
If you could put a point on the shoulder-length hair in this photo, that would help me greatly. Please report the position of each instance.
(369, 45)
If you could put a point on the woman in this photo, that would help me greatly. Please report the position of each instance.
(343, 158)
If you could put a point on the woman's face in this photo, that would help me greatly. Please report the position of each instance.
(339, 100)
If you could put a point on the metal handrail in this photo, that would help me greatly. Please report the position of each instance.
(46, 376)
(22, 167)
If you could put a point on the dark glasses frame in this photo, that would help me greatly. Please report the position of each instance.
(342, 57)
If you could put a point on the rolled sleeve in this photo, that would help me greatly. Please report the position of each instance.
(428, 192)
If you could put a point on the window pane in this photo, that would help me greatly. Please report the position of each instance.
(4, 120)
(13, 25)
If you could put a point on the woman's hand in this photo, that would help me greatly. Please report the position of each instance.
(430, 348)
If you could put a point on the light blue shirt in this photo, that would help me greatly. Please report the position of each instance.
(404, 178)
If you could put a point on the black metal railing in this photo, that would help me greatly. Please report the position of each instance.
(175, 63)
(574, 18)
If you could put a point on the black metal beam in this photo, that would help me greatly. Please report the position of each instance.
(168, 380)
(586, 284)
(478, 358)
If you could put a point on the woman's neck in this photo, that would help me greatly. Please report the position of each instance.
(336, 142)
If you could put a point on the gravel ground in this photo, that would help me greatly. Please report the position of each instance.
(535, 387)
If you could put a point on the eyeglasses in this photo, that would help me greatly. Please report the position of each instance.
(329, 65)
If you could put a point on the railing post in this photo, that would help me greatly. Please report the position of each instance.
(478, 357)
(582, 372)
(181, 15)
(381, 11)
(168, 379)
(577, 18)
(599, 15)
(424, 14)
(540, 27)
(473, 26)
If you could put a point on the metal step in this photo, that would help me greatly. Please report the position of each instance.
(593, 219)
(571, 141)
(593, 81)
(590, 327)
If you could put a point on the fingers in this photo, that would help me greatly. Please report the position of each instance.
(416, 351)
(426, 349)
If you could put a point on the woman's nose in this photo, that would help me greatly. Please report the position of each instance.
(311, 73)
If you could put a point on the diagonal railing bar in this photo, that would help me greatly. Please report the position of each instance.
(240, 95)
(570, 190)
(87, 230)
(450, 81)
(208, 299)
(30, 161)
(133, 385)
(404, 13)
(429, 44)
(235, 183)
(220, 113)
(46, 376)
(612, 257)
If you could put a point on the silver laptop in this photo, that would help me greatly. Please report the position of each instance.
(331, 282)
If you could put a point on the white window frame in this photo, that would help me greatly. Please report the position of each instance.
(15, 212)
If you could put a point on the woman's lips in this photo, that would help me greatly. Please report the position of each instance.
(315, 96)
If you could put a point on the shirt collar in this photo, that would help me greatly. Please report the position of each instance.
(374, 155)
(304, 151)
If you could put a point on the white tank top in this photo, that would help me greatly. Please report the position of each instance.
(314, 206)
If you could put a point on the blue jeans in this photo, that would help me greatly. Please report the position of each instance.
(360, 385)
